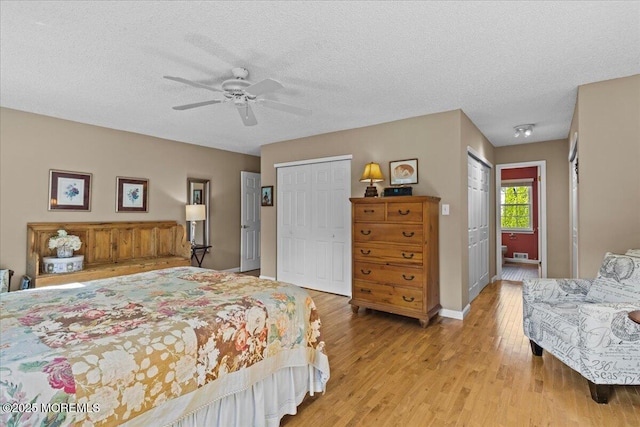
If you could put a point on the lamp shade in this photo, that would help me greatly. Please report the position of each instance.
(196, 212)
(372, 173)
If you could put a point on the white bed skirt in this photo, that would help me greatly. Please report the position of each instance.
(261, 405)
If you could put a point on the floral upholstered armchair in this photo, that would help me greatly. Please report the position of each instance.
(586, 323)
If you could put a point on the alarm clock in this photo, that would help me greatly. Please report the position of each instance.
(398, 191)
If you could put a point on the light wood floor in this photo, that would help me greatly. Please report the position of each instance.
(387, 371)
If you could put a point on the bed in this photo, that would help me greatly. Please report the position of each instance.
(181, 346)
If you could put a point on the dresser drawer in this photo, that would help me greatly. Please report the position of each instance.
(411, 212)
(368, 212)
(392, 233)
(388, 294)
(395, 254)
(383, 273)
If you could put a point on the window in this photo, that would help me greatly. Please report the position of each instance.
(516, 206)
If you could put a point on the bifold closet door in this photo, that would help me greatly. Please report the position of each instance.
(314, 234)
(478, 204)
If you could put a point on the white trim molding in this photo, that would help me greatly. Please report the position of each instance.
(478, 157)
(542, 214)
(267, 277)
(310, 161)
(453, 314)
(232, 270)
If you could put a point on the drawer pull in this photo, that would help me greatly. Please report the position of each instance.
(405, 212)
(407, 256)
(369, 210)
(365, 232)
(408, 278)
(365, 291)
(405, 234)
(368, 251)
(366, 273)
(408, 299)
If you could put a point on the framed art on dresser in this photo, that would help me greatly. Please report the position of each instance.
(69, 191)
(132, 194)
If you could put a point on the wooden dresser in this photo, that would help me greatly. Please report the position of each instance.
(395, 255)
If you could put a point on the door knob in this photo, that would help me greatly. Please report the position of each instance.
(244, 226)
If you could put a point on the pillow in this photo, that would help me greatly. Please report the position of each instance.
(607, 290)
(633, 252)
(4, 281)
(618, 280)
(621, 268)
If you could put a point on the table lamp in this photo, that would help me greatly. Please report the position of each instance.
(371, 174)
(195, 213)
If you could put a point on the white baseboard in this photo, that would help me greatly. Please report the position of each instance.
(495, 278)
(233, 270)
(267, 277)
(453, 314)
(523, 261)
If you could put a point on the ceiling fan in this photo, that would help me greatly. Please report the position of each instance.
(242, 94)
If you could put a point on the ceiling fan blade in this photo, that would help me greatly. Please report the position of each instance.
(284, 107)
(197, 104)
(264, 86)
(191, 83)
(247, 116)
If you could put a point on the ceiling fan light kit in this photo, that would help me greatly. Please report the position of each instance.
(242, 93)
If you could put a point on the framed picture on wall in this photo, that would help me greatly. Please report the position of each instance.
(267, 196)
(197, 197)
(132, 194)
(69, 191)
(403, 172)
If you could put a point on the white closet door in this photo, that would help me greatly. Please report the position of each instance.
(314, 234)
(478, 205)
(330, 224)
(294, 223)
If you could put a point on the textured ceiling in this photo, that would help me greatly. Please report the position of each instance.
(352, 63)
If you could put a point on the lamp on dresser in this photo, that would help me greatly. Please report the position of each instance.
(371, 174)
(195, 213)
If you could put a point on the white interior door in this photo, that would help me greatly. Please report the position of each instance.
(250, 221)
(478, 175)
(314, 227)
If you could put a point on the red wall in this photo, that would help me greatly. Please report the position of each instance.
(521, 242)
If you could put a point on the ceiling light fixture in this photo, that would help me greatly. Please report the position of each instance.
(525, 130)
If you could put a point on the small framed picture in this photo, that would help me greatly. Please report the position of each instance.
(267, 196)
(197, 197)
(403, 172)
(69, 191)
(132, 194)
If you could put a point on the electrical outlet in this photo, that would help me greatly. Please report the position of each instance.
(445, 209)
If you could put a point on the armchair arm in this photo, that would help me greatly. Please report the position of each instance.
(609, 343)
(555, 290)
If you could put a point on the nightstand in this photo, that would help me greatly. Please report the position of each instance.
(199, 249)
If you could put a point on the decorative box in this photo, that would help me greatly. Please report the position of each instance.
(53, 265)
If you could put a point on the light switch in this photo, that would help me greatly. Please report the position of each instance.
(445, 209)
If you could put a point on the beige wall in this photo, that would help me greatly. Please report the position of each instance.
(609, 170)
(439, 142)
(32, 144)
(554, 153)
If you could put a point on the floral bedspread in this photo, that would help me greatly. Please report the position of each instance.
(108, 350)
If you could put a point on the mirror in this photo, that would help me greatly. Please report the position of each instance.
(198, 194)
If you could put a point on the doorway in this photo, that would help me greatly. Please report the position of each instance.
(513, 240)
(250, 221)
